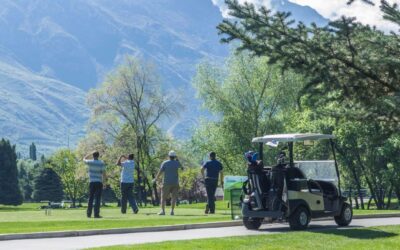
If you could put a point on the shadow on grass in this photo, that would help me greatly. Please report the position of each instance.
(358, 233)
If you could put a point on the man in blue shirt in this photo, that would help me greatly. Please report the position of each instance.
(127, 171)
(213, 169)
(97, 176)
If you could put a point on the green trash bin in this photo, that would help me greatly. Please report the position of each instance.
(236, 203)
(232, 182)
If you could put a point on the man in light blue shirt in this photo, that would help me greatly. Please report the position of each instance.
(127, 171)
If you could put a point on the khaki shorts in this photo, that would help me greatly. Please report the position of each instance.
(168, 190)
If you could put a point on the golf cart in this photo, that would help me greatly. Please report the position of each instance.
(293, 191)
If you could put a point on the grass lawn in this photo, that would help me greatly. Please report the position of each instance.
(29, 218)
(387, 237)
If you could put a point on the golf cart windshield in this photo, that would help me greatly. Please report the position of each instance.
(318, 170)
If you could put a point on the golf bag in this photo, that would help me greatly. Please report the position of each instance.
(258, 185)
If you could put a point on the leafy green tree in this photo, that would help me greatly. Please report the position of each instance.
(72, 172)
(28, 170)
(32, 152)
(10, 193)
(345, 63)
(249, 98)
(48, 186)
(132, 97)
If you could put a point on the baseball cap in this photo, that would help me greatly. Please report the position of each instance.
(172, 153)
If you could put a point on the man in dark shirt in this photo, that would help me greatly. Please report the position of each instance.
(213, 168)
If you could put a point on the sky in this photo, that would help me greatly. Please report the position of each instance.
(333, 9)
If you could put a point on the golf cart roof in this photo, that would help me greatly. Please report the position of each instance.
(291, 138)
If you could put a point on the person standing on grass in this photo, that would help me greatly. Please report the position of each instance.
(171, 181)
(127, 172)
(97, 178)
(214, 169)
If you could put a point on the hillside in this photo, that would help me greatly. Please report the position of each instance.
(53, 51)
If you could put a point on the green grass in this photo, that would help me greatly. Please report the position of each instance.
(29, 218)
(374, 211)
(387, 237)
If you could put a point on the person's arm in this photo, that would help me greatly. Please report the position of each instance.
(158, 173)
(203, 169)
(120, 160)
(87, 157)
(104, 179)
(221, 177)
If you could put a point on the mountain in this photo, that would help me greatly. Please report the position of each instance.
(53, 51)
(34, 108)
(305, 14)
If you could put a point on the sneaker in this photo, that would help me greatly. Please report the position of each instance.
(98, 217)
(161, 213)
(172, 213)
(136, 211)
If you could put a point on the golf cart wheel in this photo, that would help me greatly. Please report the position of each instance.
(345, 216)
(252, 223)
(299, 219)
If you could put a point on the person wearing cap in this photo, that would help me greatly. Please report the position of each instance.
(97, 178)
(127, 165)
(213, 169)
(170, 182)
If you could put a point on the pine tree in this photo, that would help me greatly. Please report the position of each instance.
(48, 186)
(345, 63)
(32, 152)
(10, 193)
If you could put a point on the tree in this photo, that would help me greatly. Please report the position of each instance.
(28, 170)
(132, 96)
(32, 152)
(48, 186)
(249, 97)
(345, 63)
(72, 173)
(10, 193)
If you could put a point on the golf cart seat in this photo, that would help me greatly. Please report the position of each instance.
(329, 190)
(296, 179)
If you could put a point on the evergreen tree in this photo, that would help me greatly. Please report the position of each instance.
(48, 186)
(10, 193)
(346, 62)
(32, 152)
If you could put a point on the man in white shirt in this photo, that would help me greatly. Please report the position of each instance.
(127, 172)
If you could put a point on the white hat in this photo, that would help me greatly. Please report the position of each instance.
(172, 153)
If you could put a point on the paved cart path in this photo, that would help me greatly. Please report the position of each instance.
(137, 238)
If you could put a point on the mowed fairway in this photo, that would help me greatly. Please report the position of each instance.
(28, 218)
(384, 237)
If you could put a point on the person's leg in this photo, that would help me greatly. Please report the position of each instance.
(90, 201)
(213, 188)
(174, 194)
(207, 183)
(163, 199)
(123, 197)
(99, 189)
(129, 195)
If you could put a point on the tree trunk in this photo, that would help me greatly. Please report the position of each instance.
(156, 198)
(389, 197)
